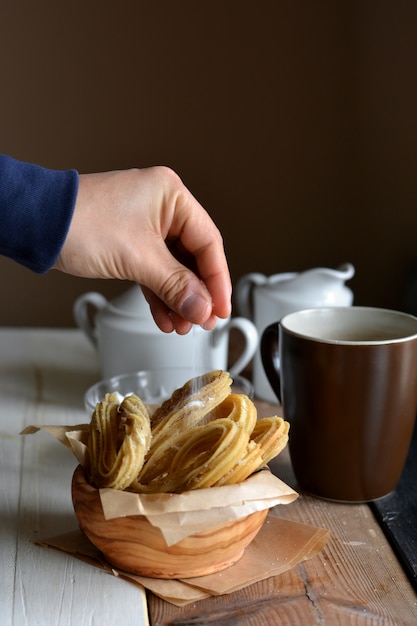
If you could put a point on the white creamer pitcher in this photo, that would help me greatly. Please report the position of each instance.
(266, 299)
(127, 339)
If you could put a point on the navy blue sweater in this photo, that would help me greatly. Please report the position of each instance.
(36, 207)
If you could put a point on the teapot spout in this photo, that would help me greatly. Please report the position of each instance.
(330, 276)
(324, 286)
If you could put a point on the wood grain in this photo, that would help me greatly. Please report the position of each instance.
(134, 545)
(397, 514)
(43, 375)
(356, 580)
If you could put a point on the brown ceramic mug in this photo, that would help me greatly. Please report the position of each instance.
(347, 379)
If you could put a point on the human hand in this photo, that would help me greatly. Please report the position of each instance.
(145, 226)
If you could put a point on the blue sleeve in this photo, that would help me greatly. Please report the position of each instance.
(36, 208)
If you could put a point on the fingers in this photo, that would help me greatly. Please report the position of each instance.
(143, 225)
(164, 317)
(201, 240)
(196, 308)
(189, 283)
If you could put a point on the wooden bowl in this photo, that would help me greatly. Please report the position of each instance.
(133, 545)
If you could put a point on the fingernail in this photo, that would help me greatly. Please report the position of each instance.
(209, 325)
(194, 308)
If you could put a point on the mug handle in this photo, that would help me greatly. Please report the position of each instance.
(270, 357)
(250, 334)
(81, 316)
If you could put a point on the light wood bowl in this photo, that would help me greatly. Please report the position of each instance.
(133, 545)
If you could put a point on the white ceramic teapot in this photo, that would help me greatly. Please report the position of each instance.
(266, 299)
(128, 340)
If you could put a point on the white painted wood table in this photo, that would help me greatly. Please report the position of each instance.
(356, 580)
(43, 376)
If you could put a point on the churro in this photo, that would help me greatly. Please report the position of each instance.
(202, 436)
(118, 441)
(268, 438)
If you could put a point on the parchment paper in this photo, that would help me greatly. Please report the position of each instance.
(181, 515)
(279, 546)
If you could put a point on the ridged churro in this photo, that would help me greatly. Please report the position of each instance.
(202, 436)
(118, 441)
(268, 438)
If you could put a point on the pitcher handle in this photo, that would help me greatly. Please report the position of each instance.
(251, 337)
(269, 348)
(81, 316)
(243, 292)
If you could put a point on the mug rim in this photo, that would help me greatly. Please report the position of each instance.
(396, 335)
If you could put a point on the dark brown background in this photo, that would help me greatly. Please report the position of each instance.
(294, 123)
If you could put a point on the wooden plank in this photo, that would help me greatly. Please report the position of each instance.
(11, 421)
(355, 580)
(43, 376)
(51, 585)
(397, 515)
(357, 576)
(278, 600)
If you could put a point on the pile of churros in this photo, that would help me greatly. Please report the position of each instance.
(202, 436)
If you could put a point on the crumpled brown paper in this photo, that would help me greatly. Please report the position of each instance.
(279, 546)
(187, 513)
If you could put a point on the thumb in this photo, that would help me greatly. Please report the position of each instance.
(193, 311)
(176, 295)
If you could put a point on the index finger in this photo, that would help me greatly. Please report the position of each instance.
(205, 244)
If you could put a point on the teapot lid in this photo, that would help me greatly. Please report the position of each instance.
(317, 277)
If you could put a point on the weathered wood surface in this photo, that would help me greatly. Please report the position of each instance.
(397, 514)
(356, 580)
(43, 375)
